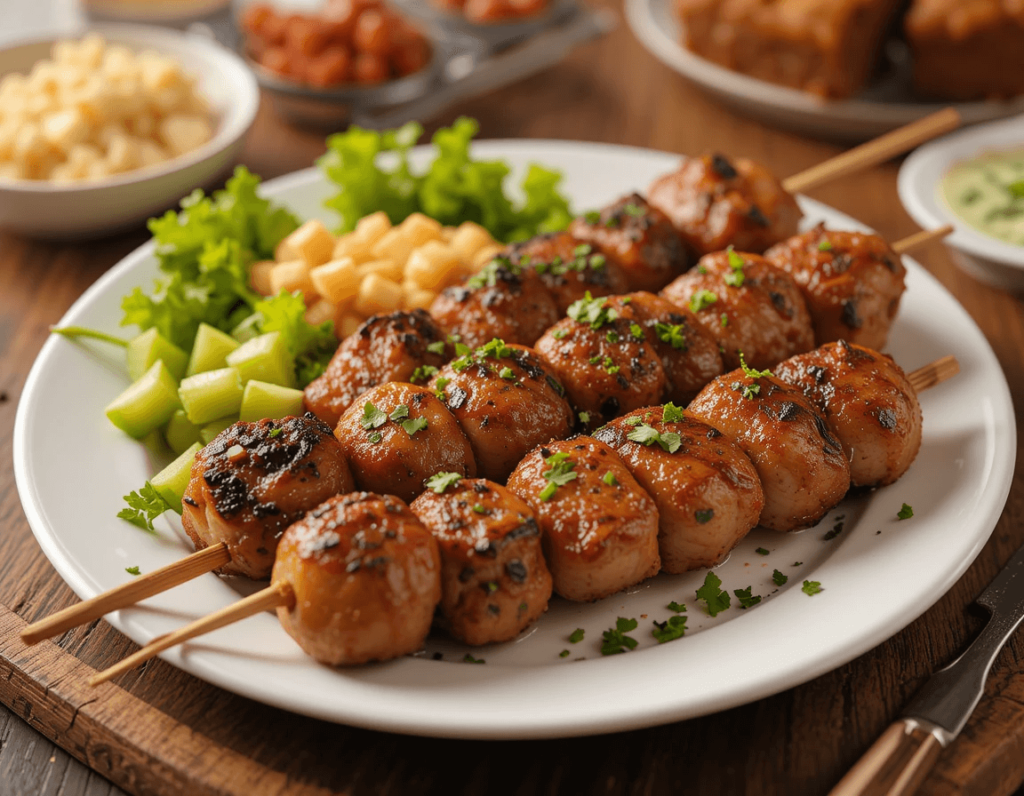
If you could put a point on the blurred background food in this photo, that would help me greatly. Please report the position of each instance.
(961, 49)
(490, 11)
(363, 42)
(95, 109)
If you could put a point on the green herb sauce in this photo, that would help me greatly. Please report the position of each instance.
(988, 193)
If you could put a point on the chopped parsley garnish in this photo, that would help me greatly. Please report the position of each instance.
(401, 411)
(480, 508)
(811, 587)
(592, 216)
(488, 275)
(591, 310)
(779, 578)
(496, 349)
(436, 347)
(636, 420)
(702, 269)
(761, 551)
(905, 513)
(615, 640)
(724, 320)
(423, 373)
(376, 437)
(702, 299)
(735, 276)
(711, 593)
(576, 636)
(797, 563)
(132, 570)
(584, 417)
(627, 299)
(470, 659)
(441, 384)
(671, 413)
(610, 479)
(372, 417)
(612, 222)
(144, 506)
(749, 391)
(413, 425)
(490, 586)
(634, 210)
(563, 654)
(636, 331)
(439, 482)
(461, 349)
(609, 367)
(674, 627)
(704, 515)
(595, 359)
(612, 336)
(824, 246)
(560, 474)
(679, 608)
(507, 373)
(671, 334)
(275, 433)
(746, 598)
(559, 334)
(647, 435)
(751, 373)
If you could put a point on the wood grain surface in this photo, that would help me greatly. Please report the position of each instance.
(160, 731)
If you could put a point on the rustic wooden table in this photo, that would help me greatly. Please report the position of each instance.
(159, 731)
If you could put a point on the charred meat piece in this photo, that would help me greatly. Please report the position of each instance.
(366, 578)
(254, 480)
(402, 346)
(494, 582)
(598, 526)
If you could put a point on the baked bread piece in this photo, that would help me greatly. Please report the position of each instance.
(967, 49)
(825, 47)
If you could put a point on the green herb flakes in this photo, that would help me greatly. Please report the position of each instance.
(711, 593)
(905, 513)
(746, 598)
(811, 587)
(559, 474)
(779, 578)
(761, 551)
(439, 482)
(144, 506)
(671, 413)
(702, 299)
(703, 516)
(132, 570)
(576, 636)
(679, 608)
(468, 658)
(674, 627)
(372, 417)
(610, 479)
(615, 640)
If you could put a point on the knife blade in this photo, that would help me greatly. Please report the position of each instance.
(901, 758)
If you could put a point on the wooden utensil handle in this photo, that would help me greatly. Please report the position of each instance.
(895, 765)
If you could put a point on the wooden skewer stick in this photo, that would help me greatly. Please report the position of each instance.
(921, 238)
(934, 373)
(274, 596)
(874, 152)
(130, 593)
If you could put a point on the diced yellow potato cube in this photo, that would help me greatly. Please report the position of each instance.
(292, 275)
(259, 276)
(122, 154)
(118, 61)
(312, 242)
(486, 254)
(12, 171)
(90, 50)
(158, 71)
(470, 238)
(393, 245)
(388, 269)
(337, 281)
(377, 294)
(421, 228)
(98, 170)
(352, 246)
(433, 265)
(371, 228)
(417, 298)
(150, 152)
(321, 311)
(181, 134)
(29, 142)
(347, 324)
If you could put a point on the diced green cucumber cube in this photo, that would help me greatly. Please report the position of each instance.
(247, 329)
(146, 348)
(211, 430)
(180, 433)
(211, 395)
(173, 479)
(210, 350)
(148, 403)
(264, 358)
(264, 400)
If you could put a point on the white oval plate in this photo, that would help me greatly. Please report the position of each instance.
(878, 574)
(879, 109)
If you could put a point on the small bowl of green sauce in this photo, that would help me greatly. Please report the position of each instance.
(974, 180)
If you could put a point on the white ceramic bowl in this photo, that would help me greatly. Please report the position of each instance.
(989, 259)
(89, 209)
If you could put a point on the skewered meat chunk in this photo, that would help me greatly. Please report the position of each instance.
(366, 577)
(826, 47)
(707, 491)
(254, 480)
(852, 282)
(385, 348)
(867, 399)
(967, 49)
(398, 435)
(506, 401)
(494, 582)
(637, 237)
(689, 355)
(801, 464)
(503, 300)
(715, 202)
(604, 361)
(569, 269)
(748, 305)
(599, 528)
